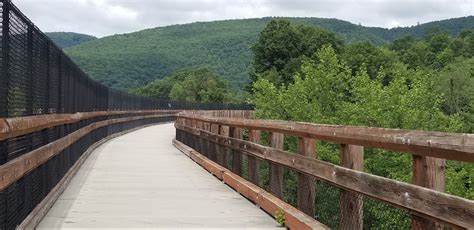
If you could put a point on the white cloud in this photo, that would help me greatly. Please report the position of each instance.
(106, 17)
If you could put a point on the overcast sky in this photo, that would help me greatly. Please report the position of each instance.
(107, 17)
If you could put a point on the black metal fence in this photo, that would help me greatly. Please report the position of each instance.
(38, 78)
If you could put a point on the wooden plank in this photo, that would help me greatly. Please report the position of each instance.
(236, 133)
(351, 203)
(456, 211)
(253, 162)
(448, 146)
(306, 184)
(428, 172)
(17, 126)
(276, 171)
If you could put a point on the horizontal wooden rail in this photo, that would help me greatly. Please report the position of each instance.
(448, 146)
(15, 169)
(17, 126)
(427, 203)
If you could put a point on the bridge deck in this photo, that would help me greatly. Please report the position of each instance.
(141, 180)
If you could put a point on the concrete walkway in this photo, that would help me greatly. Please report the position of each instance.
(140, 180)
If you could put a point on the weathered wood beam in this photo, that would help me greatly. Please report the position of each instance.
(275, 170)
(306, 184)
(17, 126)
(428, 172)
(253, 162)
(448, 146)
(351, 204)
(237, 133)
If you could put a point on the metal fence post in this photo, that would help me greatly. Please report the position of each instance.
(5, 58)
(29, 95)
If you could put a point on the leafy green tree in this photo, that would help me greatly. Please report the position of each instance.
(439, 42)
(325, 91)
(161, 89)
(373, 59)
(456, 83)
(281, 48)
(198, 85)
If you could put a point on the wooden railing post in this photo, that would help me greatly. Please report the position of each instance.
(207, 144)
(351, 204)
(236, 155)
(428, 172)
(275, 170)
(306, 184)
(200, 141)
(253, 162)
(215, 148)
(222, 156)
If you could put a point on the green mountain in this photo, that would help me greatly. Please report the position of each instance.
(128, 61)
(68, 39)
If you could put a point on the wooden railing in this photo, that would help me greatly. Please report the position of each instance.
(424, 199)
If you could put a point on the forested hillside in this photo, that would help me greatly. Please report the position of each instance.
(132, 60)
(68, 39)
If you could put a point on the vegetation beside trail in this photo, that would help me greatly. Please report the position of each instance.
(310, 74)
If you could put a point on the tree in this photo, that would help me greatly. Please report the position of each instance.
(456, 83)
(282, 47)
(373, 59)
(325, 91)
(198, 85)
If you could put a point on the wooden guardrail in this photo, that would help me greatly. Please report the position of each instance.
(15, 169)
(17, 126)
(425, 198)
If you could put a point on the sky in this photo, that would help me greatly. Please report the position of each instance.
(107, 17)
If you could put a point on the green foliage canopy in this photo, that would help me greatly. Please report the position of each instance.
(281, 47)
(196, 85)
(410, 84)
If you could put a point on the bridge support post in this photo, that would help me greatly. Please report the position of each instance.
(351, 204)
(200, 141)
(236, 155)
(428, 172)
(215, 150)
(222, 158)
(207, 144)
(306, 184)
(253, 162)
(276, 171)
